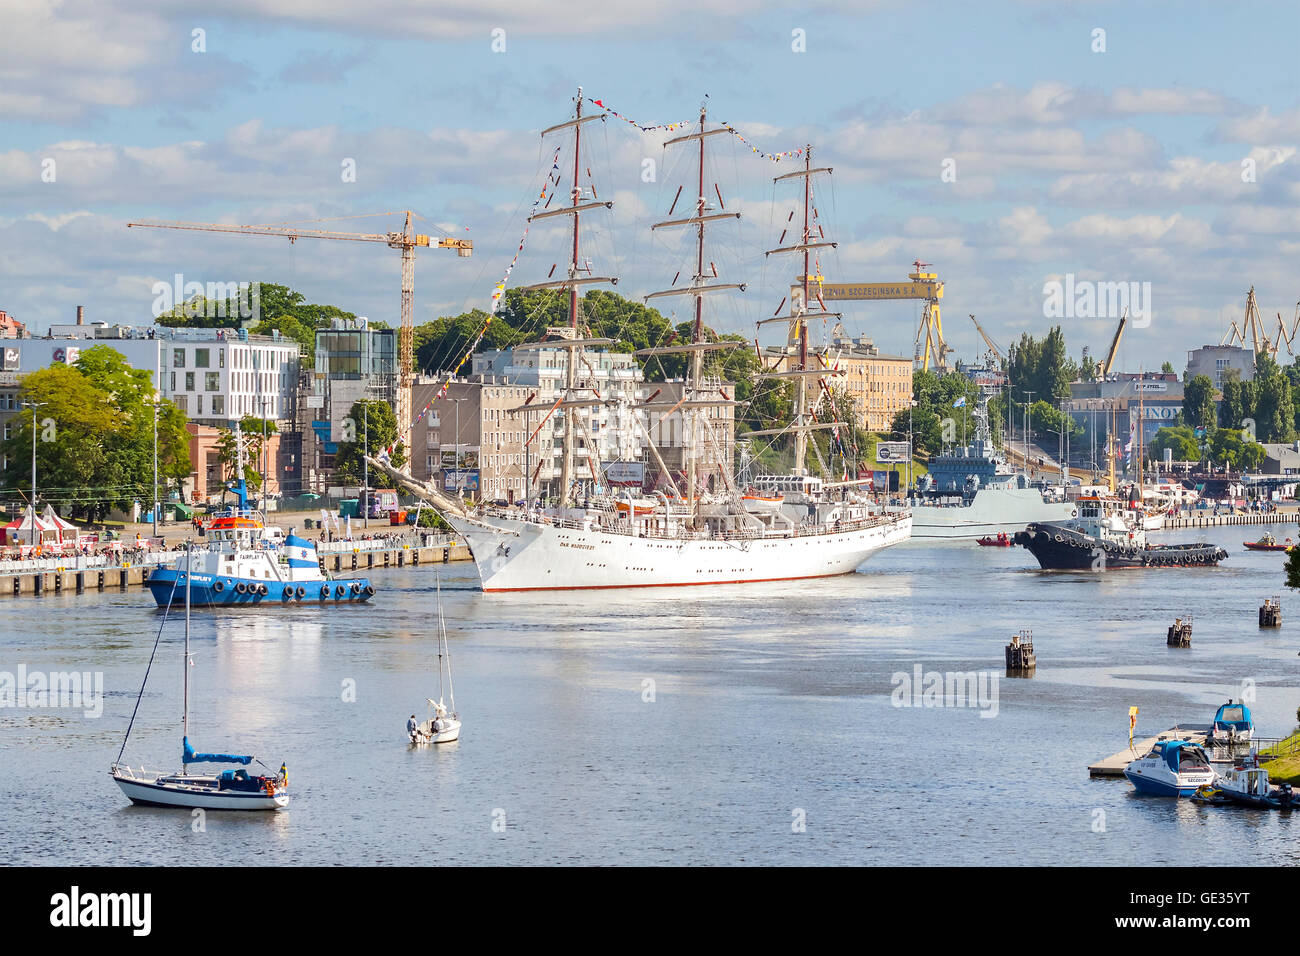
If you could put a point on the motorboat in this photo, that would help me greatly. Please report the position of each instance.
(1173, 768)
(1232, 725)
(1268, 543)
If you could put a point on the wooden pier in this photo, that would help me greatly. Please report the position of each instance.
(1113, 766)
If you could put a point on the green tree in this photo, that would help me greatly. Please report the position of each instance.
(374, 425)
(1228, 446)
(1198, 402)
(1181, 439)
(95, 436)
(1274, 412)
(251, 430)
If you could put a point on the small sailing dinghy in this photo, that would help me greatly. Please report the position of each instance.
(227, 790)
(443, 725)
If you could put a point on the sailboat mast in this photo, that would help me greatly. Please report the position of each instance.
(571, 360)
(697, 336)
(189, 574)
(801, 402)
(442, 636)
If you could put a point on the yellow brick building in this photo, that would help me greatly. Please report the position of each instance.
(879, 384)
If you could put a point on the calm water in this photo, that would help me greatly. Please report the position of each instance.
(767, 698)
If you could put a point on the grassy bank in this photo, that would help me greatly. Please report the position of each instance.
(1285, 765)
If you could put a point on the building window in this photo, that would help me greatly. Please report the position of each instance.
(212, 381)
(189, 381)
(199, 410)
(178, 358)
(202, 358)
(173, 388)
(218, 404)
(221, 358)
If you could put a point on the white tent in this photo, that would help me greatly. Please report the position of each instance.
(65, 530)
(21, 531)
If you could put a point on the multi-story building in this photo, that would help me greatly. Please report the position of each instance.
(879, 384)
(215, 376)
(353, 361)
(11, 328)
(605, 436)
(1215, 360)
(472, 441)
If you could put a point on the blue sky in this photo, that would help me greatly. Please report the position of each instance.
(1123, 165)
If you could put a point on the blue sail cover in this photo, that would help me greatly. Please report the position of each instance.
(190, 756)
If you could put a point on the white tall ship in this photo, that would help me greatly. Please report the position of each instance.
(780, 528)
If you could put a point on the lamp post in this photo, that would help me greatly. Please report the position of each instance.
(1029, 400)
(33, 406)
(458, 475)
(155, 467)
(365, 464)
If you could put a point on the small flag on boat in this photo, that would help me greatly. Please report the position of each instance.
(1132, 723)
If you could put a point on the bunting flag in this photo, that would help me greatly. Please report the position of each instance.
(671, 127)
(498, 292)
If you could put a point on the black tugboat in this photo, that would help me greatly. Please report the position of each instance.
(1095, 541)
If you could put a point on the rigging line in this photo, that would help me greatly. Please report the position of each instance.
(152, 654)
(464, 340)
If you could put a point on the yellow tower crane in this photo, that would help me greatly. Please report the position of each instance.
(924, 285)
(407, 240)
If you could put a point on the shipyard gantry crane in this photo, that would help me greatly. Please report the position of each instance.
(1253, 325)
(924, 285)
(407, 241)
(1104, 367)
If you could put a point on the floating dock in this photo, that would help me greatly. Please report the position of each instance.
(1113, 766)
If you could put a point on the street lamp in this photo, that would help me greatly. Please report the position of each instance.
(155, 467)
(1029, 400)
(33, 406)
(365, 464)
(458, 475)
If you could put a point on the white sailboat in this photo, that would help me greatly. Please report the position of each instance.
(698, 536)
(443, 724)
(227, 790)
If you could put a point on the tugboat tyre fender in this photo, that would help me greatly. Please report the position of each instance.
(286, 595)
(369, 589)
(241, 587)
(300, 591)
(262, 589)
(219, 586)
(324, 591)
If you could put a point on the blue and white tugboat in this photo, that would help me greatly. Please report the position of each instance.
(1173, 768)
(243, 565)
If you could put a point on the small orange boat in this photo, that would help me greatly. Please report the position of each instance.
(1001, 540)
(1268, 543)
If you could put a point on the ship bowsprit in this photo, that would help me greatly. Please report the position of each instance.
(1059, 548)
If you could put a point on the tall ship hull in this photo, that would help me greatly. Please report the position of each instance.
(990, 511)
(514, 554)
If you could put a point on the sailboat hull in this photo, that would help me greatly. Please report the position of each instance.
(514, 554)
(152, 794)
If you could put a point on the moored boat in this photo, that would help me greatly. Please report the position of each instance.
(1000, 540)
(227, 790)
(1173, 768)
(1097, 541)
(1233, 724)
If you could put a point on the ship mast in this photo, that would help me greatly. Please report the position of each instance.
(692, 401)
(574, 345)
(799, 313)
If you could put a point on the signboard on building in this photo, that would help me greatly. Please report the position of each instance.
(892, 451)
(13, 360)
(629, 474)
(68, 355)
(464, 480)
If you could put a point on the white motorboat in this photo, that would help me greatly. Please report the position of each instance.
(442, 725)
(226, 790)
(1173, 768)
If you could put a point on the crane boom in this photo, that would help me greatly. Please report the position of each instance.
(987, 341)
(407, 241)
(1103, 368)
